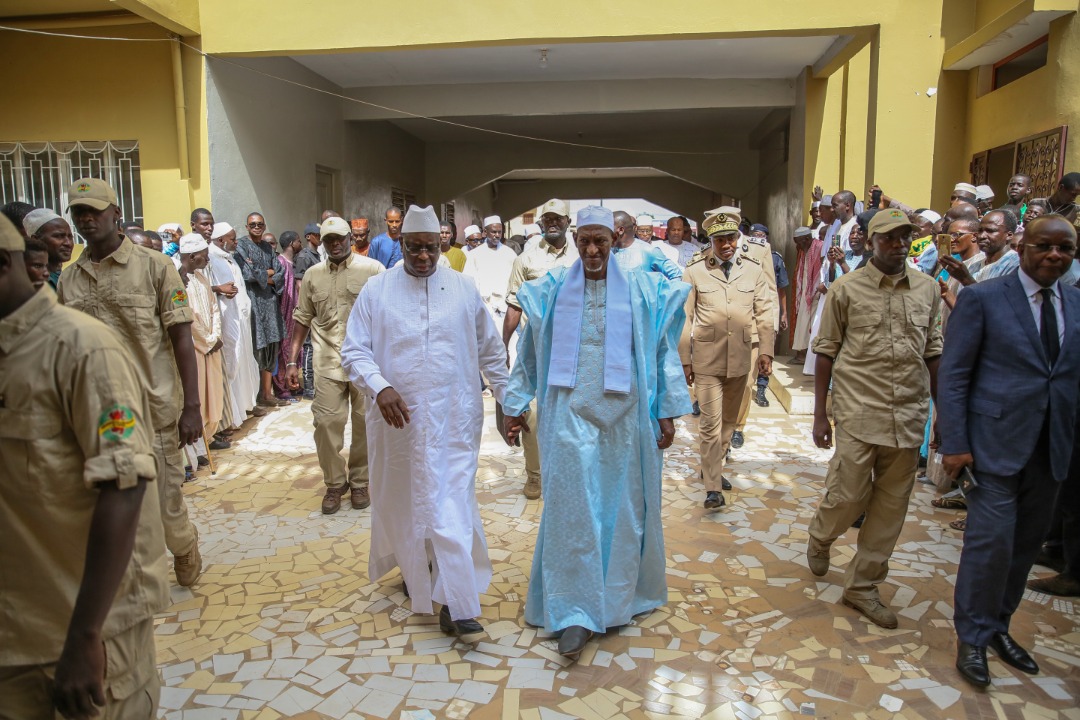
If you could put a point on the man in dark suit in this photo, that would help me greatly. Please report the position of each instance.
(1013, 337)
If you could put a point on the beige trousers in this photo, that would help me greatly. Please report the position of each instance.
(530, 445)
(874, 479)
(132, 685)
(180, 534)
(719, 400)
(335, 402)
(751, 388)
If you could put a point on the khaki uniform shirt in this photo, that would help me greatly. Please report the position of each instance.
(880, 331)
(723, 313)
(758, 248)
(139, 294)
(327, 296)
(73, 414)
(535, 263)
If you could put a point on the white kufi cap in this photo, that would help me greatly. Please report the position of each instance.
(169, 227)
(492, 220)
(594, 215)
(221, 229)
(36, 218)
(472, 230)
(984, 192)
(421, 220)
(192, 243)
(967, 188)
(929, 216)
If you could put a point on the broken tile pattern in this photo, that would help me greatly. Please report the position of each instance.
(285, 622)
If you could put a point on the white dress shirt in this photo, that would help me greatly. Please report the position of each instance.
(1035, 301)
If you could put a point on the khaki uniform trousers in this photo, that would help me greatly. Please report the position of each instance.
(180, 534)
(874, 479)
(132, 685)
(530, 445)
(337, 401)
(751, 388)
(719, 400)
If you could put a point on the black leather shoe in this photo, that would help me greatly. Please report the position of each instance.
(696, 412)
(1010, 651)
(573, 641)
(760, 399)
(724, 483)
(737, 439)
(458, 627)
(713, 500)
(1053, 560)
(971, 662)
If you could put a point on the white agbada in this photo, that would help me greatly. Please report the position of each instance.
(241, 370)
(490, 269)
(401, 331)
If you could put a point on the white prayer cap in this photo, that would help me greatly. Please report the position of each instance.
(169, 227)
(192, 243)
(826, 200)
(984, 192)
(336, 226)
(641, 220)
(802, 231)
(492, 220)
(929, 216)
(421, 220)
(472, 230)
(966, 188)
(221, 229)
(595, 215)
(36, 218)
(816, 203)
(531, 230)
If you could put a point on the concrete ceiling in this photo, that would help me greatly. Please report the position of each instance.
(764, 57)
(18, 8)
(583, 173)
(699, 129)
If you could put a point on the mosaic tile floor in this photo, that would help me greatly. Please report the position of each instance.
(285, 622)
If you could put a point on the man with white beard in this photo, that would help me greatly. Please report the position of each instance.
(424, 433)
(241, 371)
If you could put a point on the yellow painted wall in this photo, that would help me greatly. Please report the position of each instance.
(129, 98)
(854, 139)
(827, 167)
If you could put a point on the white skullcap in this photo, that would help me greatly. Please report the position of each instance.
(36, 218)
(531, 230)
(421, 220)
(221, 229)
(472, 230)
(826, 200)
(492, 220)
(967, 188)
(803, 230)
(192, 243)
(640, 220)
(816, 203)
(984, 192)
(169, 227)
(929, 216)
(594, 215)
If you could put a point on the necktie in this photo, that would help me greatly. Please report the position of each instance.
(1049, 330)
(726, 267)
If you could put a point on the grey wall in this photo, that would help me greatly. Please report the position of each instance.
(266, 137)
(378, 156)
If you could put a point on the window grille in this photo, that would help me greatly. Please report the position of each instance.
(402, 198)
(448, 213)
(40, 173)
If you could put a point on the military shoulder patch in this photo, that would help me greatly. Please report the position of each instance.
(179, 298)
(116, 423)
(756, 240)
(698, 257)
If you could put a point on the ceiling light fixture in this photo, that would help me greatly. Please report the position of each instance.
(543, 58)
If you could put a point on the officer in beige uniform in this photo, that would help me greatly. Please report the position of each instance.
(81, 562)
(554, 250)
(138, 293)
(879, 347)
(327, 296)
(730, 300)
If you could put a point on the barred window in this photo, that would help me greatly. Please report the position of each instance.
(40, 173)
(402, 198)
(448, 212)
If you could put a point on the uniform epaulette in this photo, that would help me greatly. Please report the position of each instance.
(756, 240)
(749, 258)
(698, 257)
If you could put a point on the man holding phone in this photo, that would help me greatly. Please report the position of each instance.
(1036, 346)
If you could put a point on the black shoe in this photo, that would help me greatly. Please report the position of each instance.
(724, 483)
(203, 461)
(971, 662)
(404, 588)
(1052, 560)
(859, 521)
(760, 399)
(737, 439)
(458, 627)
(713, 500)
(573, 641)
(1010, 651)
(697, 410)
(219, 444)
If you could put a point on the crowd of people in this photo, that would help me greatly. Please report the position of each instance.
(153, 347)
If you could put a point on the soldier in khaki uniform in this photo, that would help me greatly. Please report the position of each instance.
(555, 249)
(327, 296)
(139, 294)
(82, 549)
(730, 299)
(879, 346)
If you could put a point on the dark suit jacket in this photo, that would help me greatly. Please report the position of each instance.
(996, 386)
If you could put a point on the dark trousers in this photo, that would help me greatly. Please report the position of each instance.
(762, 381)
(1007, 519)
(1063, 540)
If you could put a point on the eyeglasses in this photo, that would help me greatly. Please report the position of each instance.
(958, 235)
(1044, 248)
(421, 249)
